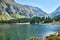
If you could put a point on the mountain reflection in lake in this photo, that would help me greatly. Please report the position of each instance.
(25, 31)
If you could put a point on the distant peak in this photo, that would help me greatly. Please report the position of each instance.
(58, 8)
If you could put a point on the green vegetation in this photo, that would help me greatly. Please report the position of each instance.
(48, 20)
(57, 18)
(33, 20)
(21, 20)
(35, 38)
(55, 36)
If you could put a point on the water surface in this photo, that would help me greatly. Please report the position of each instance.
(25, 31)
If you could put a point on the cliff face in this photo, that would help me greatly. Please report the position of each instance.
(11, 9)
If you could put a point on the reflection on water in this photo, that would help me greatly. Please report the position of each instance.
(24, 31)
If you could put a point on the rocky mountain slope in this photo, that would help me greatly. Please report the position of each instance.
(10, 9)
(56, 12)
(36, 11)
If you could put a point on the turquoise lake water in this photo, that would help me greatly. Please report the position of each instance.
(25, 31)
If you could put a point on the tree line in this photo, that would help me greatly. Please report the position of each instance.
(33, 20)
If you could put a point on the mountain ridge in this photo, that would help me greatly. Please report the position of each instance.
(56, 12)
(12, 9)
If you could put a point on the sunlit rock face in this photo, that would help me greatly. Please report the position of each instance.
(10, 7)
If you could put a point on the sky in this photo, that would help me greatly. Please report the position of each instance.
(47, 6)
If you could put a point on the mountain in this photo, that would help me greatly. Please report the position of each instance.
(56, 12)
(9, 9)
(36, 11)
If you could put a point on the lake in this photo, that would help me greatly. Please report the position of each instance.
(25, 31)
